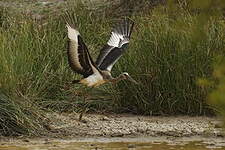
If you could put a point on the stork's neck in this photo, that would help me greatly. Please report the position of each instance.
(117, 79)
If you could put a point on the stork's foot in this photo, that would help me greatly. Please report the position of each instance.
(83, 121)
(81, 115)
(81, 118)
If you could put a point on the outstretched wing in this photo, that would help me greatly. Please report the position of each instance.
(115, 47)
(79, 58)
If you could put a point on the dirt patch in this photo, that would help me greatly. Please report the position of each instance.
(39, 9)
(33, 8)
(65, 128)
(96, 125)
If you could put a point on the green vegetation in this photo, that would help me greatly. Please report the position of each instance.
(18, 118)
(171, 48)
(217, 97)
(168, 55)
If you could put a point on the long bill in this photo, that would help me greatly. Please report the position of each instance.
(132, 80)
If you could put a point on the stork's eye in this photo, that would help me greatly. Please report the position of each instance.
(126, 74)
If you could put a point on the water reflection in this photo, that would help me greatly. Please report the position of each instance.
(116, 145)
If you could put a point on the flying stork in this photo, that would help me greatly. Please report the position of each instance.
(99, 72)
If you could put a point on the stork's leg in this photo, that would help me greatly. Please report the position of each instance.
(81, 114)
(84, 109)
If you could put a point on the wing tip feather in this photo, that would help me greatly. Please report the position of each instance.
(72, 33)
(121, 32)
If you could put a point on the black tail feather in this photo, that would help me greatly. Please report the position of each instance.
(75, 81)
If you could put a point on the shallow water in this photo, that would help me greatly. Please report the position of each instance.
(117, 144)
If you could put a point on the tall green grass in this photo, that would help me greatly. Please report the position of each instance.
(18, 118)
(34, 73)
(22, 78)
(167, 54)
(168, 60)
(171, 49)
(217, 96)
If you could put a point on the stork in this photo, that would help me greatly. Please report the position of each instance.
(99, 72)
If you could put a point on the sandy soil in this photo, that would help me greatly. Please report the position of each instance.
(65, 127)
(124, 125)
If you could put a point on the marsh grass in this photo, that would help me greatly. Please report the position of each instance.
(34, 72)
(18, 118)
(170, 50)
(216, 96)
(167, 54)
(167, 57)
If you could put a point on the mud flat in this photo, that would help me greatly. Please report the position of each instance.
(124, 125)
(113, 131)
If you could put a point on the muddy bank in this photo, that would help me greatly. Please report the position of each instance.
(96, 125)
(66, 132)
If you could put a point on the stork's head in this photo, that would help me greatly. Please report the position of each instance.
(126, 76)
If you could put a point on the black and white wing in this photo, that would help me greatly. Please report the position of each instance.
(78, 56)
(115, 47)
